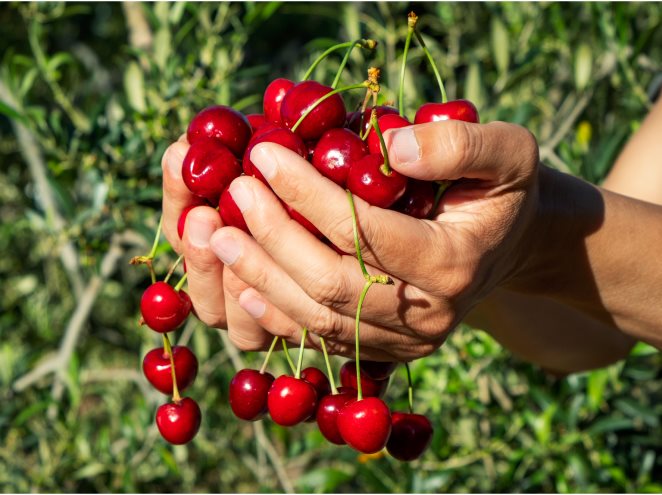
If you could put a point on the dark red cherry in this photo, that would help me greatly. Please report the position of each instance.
(410, 436)
(451, 110)
(181, 223)
(418, 199)
(369, 386)
(317, 379)
(354, 119)
(365, 424)
(208, 168)
(335, 153)
(163, 308)
(263, 129)
(327, 115)
(295, 215)
(386, 122)
(327, 415)
(256, 120)
(281, 136)
(248, 394)
(157, 368)
(179, 422)
(230, 212)
(273, 99)
(291, 400)
(367, 180)
(377, 370)
(223, 123)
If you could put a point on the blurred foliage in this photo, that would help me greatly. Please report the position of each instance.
(102, 89)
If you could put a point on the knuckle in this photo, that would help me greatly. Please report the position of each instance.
(322, 321)
(244, 344)
(233, 286)
(211, 316)
(329, 290)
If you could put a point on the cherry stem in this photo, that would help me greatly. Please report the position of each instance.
(410, 389)
(266, 359)
(364, 84)
(334, 390)
(287, 356)
(440, 82)
(168, 348)
(364, 105)
(385, 168)
(301, 349)
(366, 287)
(405, 53)
(443, 186)
(173, 267)
(181, 282)
(369, 44)
(157, 237)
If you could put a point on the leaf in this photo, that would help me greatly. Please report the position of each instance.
(500, 45)
(10, 112)
(134, 87)
(162, 47)
(597, 380)
(322, 480)
(583, 66)
(474, 86)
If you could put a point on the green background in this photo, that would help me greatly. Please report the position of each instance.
(90, 97)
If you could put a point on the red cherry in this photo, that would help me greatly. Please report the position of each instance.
(281, 136)
(230, 212)
(208, 168)
(369, 386)
(181, 222)
(327, 115)
(317, 379)
(179, 422)
(451, 110)
(256, 120)
(418, 199)
(295, 215)
(354, 119)
(386, 122)
(163, 308)
(335, 153)
(291, 400)
(263, 129)
(273, 99)
(377, 370)
(365, 424)
(223, 123)
(157, 369)
(248, 394)
(410, 436)
(327, 415)
(368, 182)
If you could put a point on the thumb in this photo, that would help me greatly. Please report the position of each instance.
(452, 149)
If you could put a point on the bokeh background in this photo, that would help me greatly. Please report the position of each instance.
(92, 94)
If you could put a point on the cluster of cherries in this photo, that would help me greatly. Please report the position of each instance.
(348, 148)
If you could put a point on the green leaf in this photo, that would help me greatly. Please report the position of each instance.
(500, 45)
(10, 112)
(322, 480)
(134, 87)
(583, 66)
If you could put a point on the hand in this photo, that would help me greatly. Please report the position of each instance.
(441, 267)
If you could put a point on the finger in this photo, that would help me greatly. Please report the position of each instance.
(452, 149)
(204, 270)
(386, 236)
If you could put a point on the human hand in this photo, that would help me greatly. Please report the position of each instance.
(441, 267)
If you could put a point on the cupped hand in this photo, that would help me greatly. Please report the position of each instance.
(441, 267)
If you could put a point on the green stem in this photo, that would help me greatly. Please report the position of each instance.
(329, 371)
(301, 349)
(366, 287)
(181, 282)
(443, 185)
(324, 55)
(386, 167)
(157, 237)
(419, 38)
(173, 267)
(266, 359)
(345, 59)
(355, 228)
(175, 390)
(321, 100)
(410, 390)
(287, 356)
(401, 90)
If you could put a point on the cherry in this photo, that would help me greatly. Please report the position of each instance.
(263, 129)
(248, 394)
(367, 180)
(179, 422)
(295, 215)
(157, 368)
(273, 99)
(335, 153)
(223, 123)
(327, 115)
(291, 400)
(230, 212)
(327, 414)
(410, 436)
(278, 135)
(354, 118)
(451, 110)
(418, 199)
(208, 168)
(181, 223)
(256, 120)
(369, 386)
(317, 379)
(365, 424)
(377, 370)
(385, 122)
(163, 308)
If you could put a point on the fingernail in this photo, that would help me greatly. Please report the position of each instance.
(253, 306)
(242, 195)
(199, 231)
(264, 161)
(174, 160)
(226, 248)
(404, 146)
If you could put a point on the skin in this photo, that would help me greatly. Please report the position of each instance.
(533, 256)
